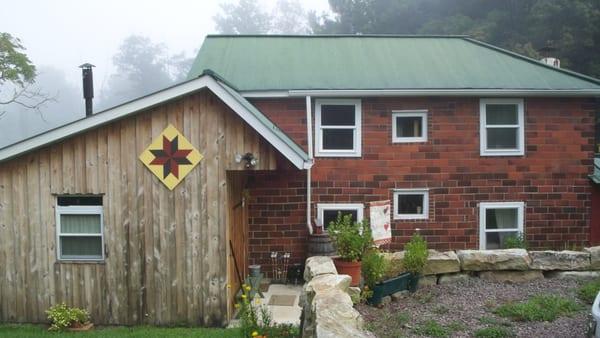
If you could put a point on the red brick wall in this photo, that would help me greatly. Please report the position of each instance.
(551, 178)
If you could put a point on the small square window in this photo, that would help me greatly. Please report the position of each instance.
(409, 126)
(411, 204)
(79, 226)
(499, 221)
(337, 128)
(502, 127)
(326, 213)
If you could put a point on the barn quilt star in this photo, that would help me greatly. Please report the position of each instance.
(170, 157)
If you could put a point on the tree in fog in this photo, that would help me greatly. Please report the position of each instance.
(248, 17)
(142, 67)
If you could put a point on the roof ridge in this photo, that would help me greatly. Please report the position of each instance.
(533, 61)
(334, 36)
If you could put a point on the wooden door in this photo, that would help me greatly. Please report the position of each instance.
(238, 237)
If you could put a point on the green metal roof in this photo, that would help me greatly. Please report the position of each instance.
(595, 177)
(372, 62)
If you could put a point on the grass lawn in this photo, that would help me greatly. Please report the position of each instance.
(20, 331)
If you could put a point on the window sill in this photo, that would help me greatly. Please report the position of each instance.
(333, 154)
(502, 153)
(82, 262)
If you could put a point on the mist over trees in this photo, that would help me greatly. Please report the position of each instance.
(249, 17)
(572, 27)
(142, 67)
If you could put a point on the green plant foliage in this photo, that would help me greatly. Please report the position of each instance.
(431, 328)
(588, 291)
(37, 331)
(494, 332)
(415, 254)
(351, 239)
(15, 66)
(517, 241)
(538, 308)
(374, 266)
(61, 316)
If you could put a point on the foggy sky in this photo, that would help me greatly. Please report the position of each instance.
(60, 35)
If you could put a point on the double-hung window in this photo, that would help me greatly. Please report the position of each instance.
(409, 126)
(502, 127)
(327, 213)
(338, 128)
(79, 228)
(499, 221)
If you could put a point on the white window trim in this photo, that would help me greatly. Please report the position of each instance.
(321, 207)
(422, 191)
(409, 113)
(483, 206)
(484, 151)
(78, 210)
(356, 151)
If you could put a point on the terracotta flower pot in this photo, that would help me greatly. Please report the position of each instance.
(81, 327)
(349, 268)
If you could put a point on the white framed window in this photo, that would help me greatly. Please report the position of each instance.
(328, 212)
(501, 127)
(338, 127)
(411, 203)
(498, 221)
(409, 126)
(79, 228)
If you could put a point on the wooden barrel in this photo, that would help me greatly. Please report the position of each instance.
(320, 245)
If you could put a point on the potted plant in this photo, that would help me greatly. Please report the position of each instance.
(351, 240)
(374, 268)
(415, 258)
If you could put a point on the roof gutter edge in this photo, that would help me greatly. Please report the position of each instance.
(420, 92)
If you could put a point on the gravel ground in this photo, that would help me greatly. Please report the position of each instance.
(466, 302)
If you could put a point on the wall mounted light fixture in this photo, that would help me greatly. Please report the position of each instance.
(249, 158)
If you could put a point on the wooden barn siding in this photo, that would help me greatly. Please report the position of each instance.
(166, 250)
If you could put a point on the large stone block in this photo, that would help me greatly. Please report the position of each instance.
(484, 260)
(511, 276)
(559, 260)
(441, 262)
(395, 264)
(573, 274)
(453, 277)
(594, 257)
(318, 265)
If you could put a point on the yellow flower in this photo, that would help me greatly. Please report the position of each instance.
(257, 301)
(254, 334)
(244, 296)
(248, 288)
(229, 286)
(237, 305)
(244, 285)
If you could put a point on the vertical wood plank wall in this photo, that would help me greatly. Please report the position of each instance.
(166, 250)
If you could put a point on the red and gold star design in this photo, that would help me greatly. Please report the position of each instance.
(170, 157)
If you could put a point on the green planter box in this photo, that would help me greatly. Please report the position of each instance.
(405, 281)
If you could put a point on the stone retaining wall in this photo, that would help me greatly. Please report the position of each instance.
(328, 311)
(508, 265)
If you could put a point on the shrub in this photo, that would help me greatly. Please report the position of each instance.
(415, 254)
(431, 328)
(516, 241)
(494, 332)
(588, 291)
(374, 267)
(538, 308)
(351, 239)
(61, 317)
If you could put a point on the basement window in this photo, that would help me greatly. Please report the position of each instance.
(79, 228)
(327, 213)
(409, 126)
(502, 127)
(338, 128)
(499, 221)
(411, 203)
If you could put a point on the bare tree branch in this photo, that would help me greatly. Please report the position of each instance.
(28, 98)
